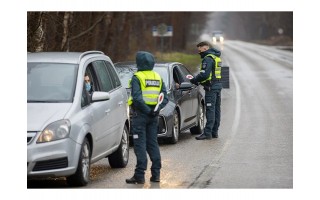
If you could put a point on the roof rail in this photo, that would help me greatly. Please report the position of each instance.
(89, 52)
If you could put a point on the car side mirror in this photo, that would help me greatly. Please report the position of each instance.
(185, 86)
(100, 96)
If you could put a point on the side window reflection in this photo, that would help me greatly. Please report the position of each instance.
(104, 76)
(89, 86)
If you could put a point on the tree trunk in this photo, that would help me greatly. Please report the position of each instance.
(35, 32)
(65, 37)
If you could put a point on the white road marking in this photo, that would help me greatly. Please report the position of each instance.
(236, 119)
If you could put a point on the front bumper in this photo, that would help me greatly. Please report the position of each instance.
(52, 159)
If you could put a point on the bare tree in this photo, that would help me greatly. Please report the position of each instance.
(65, 37)
(118, 34)
(35, 31)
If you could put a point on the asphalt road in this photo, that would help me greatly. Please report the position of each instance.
(258, 121)
(255, 144)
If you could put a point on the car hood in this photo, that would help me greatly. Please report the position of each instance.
(42, 114)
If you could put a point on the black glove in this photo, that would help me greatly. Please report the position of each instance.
(193, 81)
(153, 113)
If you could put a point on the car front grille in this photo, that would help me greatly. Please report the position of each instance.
(51, 164)
(162, 125)
(30, 136)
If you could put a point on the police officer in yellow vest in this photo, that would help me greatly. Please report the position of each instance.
(209, 77)
(146, 85)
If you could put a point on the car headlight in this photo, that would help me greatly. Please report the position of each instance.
(55, 131)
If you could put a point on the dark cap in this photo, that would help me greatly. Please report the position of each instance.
(201, 44)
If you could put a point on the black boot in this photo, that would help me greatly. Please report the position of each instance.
(133, 180)
(155, 179)
(203, 137)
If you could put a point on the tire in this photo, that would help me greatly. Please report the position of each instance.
(196, 130)
(82, 175)
(120, 158)
(175, 128)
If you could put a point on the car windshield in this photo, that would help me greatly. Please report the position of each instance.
(126, 72)
(51, 82)
(163, 72)
(217, 33)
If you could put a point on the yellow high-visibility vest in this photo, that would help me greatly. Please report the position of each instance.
(151, 84)
(217, 71)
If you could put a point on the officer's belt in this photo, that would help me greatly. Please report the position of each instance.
(211, 82)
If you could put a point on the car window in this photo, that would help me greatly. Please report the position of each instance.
(51, 82)
(177, 76)
(93, 80)
(217, 33)
(114, 75)
(184, 72)
(125, 74)
(105, 80)
(163, 72)
(85, 97)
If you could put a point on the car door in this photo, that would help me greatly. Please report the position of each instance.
(119, 95)
(192, 95)
(104, 111)
(184, 98)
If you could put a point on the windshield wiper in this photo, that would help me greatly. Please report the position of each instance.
(41, 101)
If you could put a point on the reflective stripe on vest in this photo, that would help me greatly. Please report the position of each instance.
(130, 97)
(151, 85)
(217, 71)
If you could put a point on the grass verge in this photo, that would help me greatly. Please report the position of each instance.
(191, 61)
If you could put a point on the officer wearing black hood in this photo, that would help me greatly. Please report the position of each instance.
(209, 77)
(146, 85)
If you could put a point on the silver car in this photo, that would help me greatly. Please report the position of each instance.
(70, 125)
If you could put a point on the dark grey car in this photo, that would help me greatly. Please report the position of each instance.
(185, 109)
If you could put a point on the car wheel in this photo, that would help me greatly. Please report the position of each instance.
(82, 175)
(120, 158)
(175, 129)
(196, 130)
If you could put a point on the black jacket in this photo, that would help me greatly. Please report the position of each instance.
(208, 65)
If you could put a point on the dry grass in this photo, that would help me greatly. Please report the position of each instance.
(191, 61)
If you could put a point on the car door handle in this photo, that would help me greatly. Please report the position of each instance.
(107, 111)
(120, 103)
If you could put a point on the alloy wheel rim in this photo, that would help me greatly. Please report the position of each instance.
(125, 145)
(85, 162)
(201, 118)
(176, 126)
